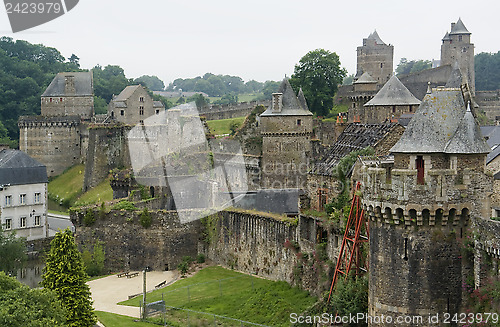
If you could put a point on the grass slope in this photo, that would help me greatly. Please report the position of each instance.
(114, 320)
(221, 126)
(247, 298)
(101, 193)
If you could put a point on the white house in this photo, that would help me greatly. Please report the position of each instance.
(23, 194)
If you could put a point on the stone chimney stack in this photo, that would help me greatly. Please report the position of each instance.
(452, 25)
(277, 102)
(69, 85)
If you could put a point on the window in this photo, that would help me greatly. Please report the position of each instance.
(141, 122)
(8, 224)
(122, 112)
(381, 65)
(299, 122)
(50, 100)
(8, 200)
(141, 99)
(460, 38)
(37, 220)
(141, 110)
(420, 170)
(22, 222)
(393, 109)
(22, 198)
(37, 197)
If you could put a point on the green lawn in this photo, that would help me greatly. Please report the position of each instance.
(114, 320)
(101, 193)
(68, 185)
(246, 297)
(221, 126)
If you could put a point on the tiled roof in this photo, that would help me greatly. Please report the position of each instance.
(17, 168)
(126, 93)
(459, 28)
(82, 81)
(393, 93)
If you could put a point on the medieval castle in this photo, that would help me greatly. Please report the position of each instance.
(424, 190)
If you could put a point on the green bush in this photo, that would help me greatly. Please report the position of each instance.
(89, 218)
(94, 260)
(183, 268)
(145, 218)
(200, 258)
(124, 205)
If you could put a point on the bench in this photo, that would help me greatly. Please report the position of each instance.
(130, 275)
(161, 284)
(123, 274)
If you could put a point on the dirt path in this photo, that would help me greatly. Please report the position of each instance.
(108, 291)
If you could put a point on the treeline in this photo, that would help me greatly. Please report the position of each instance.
(220, 85)
(487, 68)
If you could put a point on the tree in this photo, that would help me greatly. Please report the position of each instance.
(487, 67)
(12, 252)
(21, 306)
(350, 297)
(318, 73)
(406, 67)
(151, 82)
(64, 273)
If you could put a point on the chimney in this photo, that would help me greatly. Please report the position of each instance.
(277, 102)
(452, 25)
(69, 85)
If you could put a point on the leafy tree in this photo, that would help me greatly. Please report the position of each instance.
(319, 74)
(94, 259)
(199, 99)
(348, 80)
(64, 274)
(151, 82)
(145, 218)
(406, 67)
(108, 81)
(227, 99)
(487, 68)
(350, 297)
(100, 105)
(269, 88)
(12, 251)
(21, 306)
(74, 60)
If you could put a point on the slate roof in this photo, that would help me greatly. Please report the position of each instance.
(17, 168)
(393, 93)
(442, 124)
(302, 100)
(365, 79)
(126, 93)
(493, 154)
(158, 104)
(355, 136)
(282, 201)
(374, 36)
(491, 134)
(82, 80)
(447, 37)
(459, 28)
(291, 104)
(455, 80)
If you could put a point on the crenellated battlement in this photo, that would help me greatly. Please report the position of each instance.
(44, 121)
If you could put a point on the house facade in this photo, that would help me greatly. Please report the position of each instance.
(133, 105)
(23, 194)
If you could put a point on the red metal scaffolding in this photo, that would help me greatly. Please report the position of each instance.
(356, 233)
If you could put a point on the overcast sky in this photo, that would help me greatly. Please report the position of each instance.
(257, 39)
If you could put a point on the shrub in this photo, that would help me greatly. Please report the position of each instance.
(145, 218)
(183, 268)
(200, 258)
(89, 218)
(125, 205)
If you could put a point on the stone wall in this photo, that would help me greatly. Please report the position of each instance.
(54, 141)
(82, 106)
(489, 102)
(130, 246)
(232, 110)
(107, 149)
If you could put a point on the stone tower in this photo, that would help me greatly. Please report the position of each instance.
(376, 58)
(457, 48)
(286, 128)
(420, 209)
(58, 137)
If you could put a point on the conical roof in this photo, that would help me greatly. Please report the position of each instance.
(442, 125)
(393, 93)
(468, 137)
(291, 104)
(459, 28)
(374, 36)
(447, 37)
(302, 100)
(365, 79)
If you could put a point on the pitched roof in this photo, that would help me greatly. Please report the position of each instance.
(455, 80)
(491, 134)
(355, 136)
(82, 81)
(126, 93)
(459, 28)
(158, 104)
(442, 124)
(291, 104)
(17, 168)
(365, 79)
(493, 154)
(374, 36)
(393, 93)
(302, 100)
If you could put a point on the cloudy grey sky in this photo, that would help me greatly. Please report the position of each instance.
(258, 39)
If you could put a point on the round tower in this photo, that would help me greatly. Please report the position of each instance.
(420, 209)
